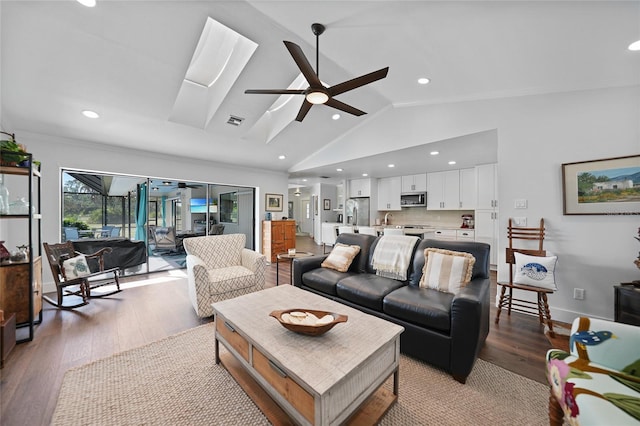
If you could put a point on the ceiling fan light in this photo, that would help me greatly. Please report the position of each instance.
(635, 46)
(317, 97)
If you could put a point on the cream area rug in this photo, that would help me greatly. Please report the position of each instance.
(175, 382)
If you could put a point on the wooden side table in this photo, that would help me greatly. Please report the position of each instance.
(627, 303)
(289, 258)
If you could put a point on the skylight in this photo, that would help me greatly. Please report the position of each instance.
(219, 57)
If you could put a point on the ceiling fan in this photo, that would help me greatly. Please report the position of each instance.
(183, 185)
(317, 93)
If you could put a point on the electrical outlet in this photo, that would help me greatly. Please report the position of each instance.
(578, 293)
(521, 203)
(520, 221)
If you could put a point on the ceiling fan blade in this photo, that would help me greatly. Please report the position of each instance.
(358, 81)
(275, 91)
(304, 109)
(303, 64)
(334, 103)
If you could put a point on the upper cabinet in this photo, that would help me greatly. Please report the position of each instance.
(468, 190)
(451, 190)
(360, 188)
(487, 186)
(389, 193)
(414, 183)
(443, 190)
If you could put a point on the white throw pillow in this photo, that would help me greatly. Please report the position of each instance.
(446, 270)
(536, 271)
(76, 267)
(341, 257)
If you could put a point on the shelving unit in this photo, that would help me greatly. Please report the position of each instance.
(21, 282)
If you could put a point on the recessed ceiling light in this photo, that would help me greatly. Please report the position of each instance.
(88, 3)
(304, 180)
(281, 157)
(434, 153)
(338, 170)
(391, 165)
(451, 163)
(90, 114)
(155, 188)
(336, 116)
(423, 80)
(635, 46)
(365, 174)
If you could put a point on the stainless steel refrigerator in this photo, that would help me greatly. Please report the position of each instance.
(357, 210)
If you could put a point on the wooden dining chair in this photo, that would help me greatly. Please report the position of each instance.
(76, 283)
(541, 306)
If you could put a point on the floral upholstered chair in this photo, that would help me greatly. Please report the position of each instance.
(219, 267)
(598, 383)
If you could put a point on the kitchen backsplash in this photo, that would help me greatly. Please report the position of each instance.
(422, 216)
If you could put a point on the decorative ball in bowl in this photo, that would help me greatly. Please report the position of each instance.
(308, 321)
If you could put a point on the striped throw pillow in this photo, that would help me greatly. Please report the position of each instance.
(341, 257)
(446, 270)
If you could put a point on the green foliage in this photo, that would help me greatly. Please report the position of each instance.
(74, 222)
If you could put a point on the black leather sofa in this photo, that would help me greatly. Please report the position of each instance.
(442, 329)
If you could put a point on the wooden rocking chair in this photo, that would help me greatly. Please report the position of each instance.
(541, 306)
(81, 286)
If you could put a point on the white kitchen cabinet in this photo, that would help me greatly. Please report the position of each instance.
(468, 190)
(487, 186)
(486, 231)
(445, 234)
(465, 235)
(443, 190)
(360, 188)
(487, 212)
(414, 183)
(389, 193)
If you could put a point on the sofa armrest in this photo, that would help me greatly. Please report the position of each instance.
(301, 265)
(470, 312)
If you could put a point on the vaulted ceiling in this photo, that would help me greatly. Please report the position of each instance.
(127, 61)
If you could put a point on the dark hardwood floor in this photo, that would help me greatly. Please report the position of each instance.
(156, 306)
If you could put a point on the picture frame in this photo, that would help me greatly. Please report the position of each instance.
(273, 202)
(610, 186)
(326, 204)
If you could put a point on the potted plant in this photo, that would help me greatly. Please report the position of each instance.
(11, 151)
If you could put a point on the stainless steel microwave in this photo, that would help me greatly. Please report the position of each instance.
(416, 199)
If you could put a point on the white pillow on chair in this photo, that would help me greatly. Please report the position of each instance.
(76, 267)
(536, 271)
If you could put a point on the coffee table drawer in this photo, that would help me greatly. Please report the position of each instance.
(299, 398)
(228, 332)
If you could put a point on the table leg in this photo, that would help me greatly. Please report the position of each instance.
(291, 271)
(217, 351)
(277, 271)
(396, 381)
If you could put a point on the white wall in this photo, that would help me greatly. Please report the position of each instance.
(536, 134)
(57, 153)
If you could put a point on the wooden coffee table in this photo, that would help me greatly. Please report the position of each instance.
(324, 380)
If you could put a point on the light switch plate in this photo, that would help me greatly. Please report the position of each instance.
(520, 221)
(521, 203)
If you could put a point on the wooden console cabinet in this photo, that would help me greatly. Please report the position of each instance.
(278, 236)
(627, 304)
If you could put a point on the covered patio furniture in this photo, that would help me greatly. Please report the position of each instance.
(219, 267)
(164, 238)
(72, 275)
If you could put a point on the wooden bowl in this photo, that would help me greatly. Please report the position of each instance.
(309, 330)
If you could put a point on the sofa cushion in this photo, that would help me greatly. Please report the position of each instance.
(359, 264)
(479, 250)
(223, 280)
(341, 257)
(421, 306)
(367, 289)
(446, 270)
(323, 279)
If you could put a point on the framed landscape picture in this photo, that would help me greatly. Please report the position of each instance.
(273, 202)
(607, 186)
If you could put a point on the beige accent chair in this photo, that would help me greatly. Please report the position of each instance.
(219, 267)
